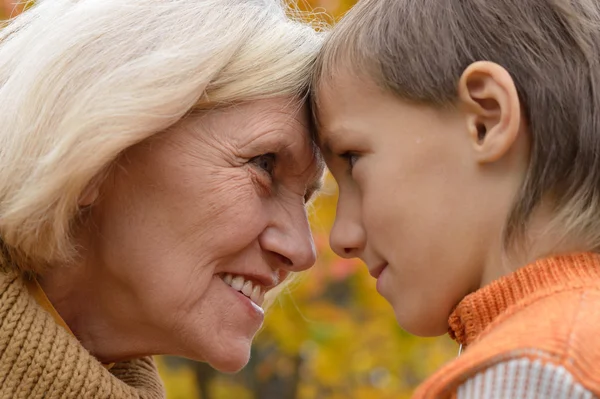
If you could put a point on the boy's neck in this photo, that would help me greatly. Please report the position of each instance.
(540, 241)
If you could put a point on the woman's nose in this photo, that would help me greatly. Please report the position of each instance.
(290, 239)
(348, 236)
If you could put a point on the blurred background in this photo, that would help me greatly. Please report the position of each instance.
(327, 336)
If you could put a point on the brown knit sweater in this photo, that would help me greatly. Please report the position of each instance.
(544, 318)
(40, 359)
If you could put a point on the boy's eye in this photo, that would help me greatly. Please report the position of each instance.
(265, 162)
(351, 158)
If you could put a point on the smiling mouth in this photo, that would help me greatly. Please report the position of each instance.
(376, 271)
(252, 290)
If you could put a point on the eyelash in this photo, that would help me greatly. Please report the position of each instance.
(269, 168)
(350, 158)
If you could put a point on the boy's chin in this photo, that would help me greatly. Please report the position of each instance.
(422, 326)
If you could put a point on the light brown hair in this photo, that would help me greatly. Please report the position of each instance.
(418, 50)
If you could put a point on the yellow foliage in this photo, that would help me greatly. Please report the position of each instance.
(180, 383)
(228, 390)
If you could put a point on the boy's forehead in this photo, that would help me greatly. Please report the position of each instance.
(344, 91)
(345, 80)
(342, 98)
(334, 107)
(344, 105)
(333, 97)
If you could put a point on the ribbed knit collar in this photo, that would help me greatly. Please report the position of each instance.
(477, 310)
(40, 358)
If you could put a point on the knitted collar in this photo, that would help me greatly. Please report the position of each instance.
(541, 278)
(39, 358)
(37, 292)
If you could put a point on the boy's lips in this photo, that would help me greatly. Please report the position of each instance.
(376, 271)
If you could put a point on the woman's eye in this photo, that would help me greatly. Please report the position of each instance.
(350, 158)
(265, 162)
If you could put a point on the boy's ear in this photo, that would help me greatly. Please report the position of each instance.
(489, 98)
(90, 194)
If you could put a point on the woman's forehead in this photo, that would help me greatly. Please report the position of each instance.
(280, 126)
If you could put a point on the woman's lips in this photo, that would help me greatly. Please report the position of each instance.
(376, 271)
(252, 308)
(251, 289)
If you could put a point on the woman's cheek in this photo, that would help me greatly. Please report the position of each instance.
(246, 211)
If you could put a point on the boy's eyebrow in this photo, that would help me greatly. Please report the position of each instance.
(325, 147)
(324, 142)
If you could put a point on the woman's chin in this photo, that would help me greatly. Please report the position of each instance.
(231, 362)
(229, 354)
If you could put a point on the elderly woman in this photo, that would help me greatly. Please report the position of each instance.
(155, 163)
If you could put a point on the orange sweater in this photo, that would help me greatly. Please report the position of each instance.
(546, 314)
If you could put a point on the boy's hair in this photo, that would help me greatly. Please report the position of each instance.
(418, 49)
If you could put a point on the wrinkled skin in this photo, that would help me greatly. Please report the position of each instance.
(223, 192)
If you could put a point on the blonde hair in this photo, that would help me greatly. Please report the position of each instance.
(81, 81)
(418, 51)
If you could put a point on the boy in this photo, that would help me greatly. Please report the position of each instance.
(465, 140)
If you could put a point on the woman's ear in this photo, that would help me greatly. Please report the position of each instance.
(489, 97)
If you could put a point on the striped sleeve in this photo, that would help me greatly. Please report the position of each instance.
(523, 379)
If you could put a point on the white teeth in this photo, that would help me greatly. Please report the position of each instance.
(261, 299)
(252, 291)
(247, 289)
(255, 296)
(237, 283)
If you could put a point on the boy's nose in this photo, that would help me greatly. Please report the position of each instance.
(348, 236)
